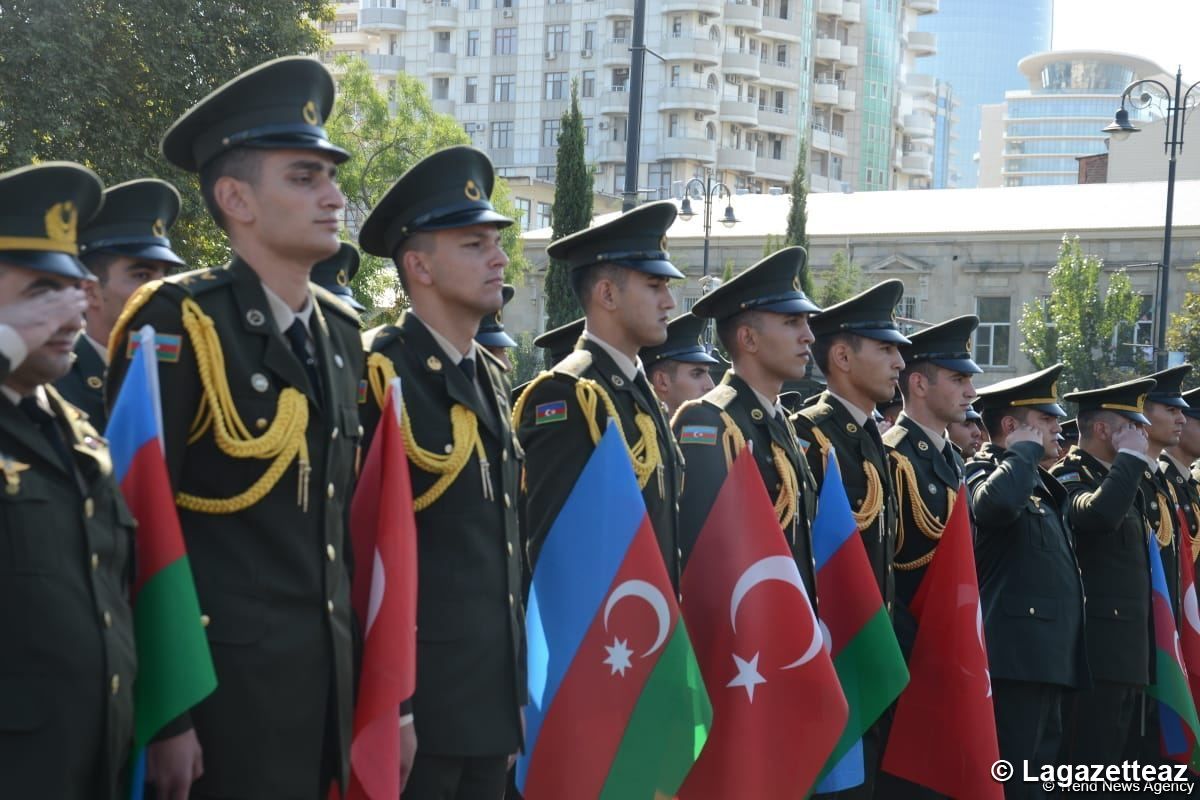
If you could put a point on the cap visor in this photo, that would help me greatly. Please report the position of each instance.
(696, 357)
(963, 365)
(474, 216)
(1134, 416)
(495, 339)
(1174, 402)
(796, 305)
(298, 142)
(62, 264)
(879, 335)
(658, 268)
(149, 252)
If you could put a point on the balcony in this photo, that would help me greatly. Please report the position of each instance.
(846, 99)
(443, 106)
(618, 8)
(774, 73)
(702, 6)
(736, 159)
(825, 93)
(776, 120)
(922, 43)
(442, 63)
(849, 56)
(851, 12)
(611, 152)
(918, 126)
(923, 6)
(818, 183)
(830, 8)
(918, 85)
(614, 101)
(682, 97)
(358, 39)
(704, 150)
(827, 49)
(615, 53)
(819, 138)
(442, 16)
(734, 62)
(775, 169)
(837, 143)
(382, 19)
(384, 63)
(744, 15)
(739, 112)
(685, 47)
(917, 164)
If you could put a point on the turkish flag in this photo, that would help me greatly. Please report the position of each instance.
(778, 709)
(949, 694)
(383, 531)
(1189, 632)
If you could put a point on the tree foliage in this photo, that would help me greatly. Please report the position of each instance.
(843, 282)
(99, 82)
(797, 223)
(572, 211)
(1183, 334)
(1079, 322)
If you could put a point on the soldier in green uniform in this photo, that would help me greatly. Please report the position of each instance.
(1030, 592)
(438, 225)
(125, 246)
(620, 272)
(857, 349)
(492, 336)
(967, 436)
(1175, 463)
(335, 273)
(260, 372)
(1106, 516)
(762, 322)
(557, 343)
(66, 537)
(678, 368)
(887, 412)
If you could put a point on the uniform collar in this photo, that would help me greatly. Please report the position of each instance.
(282, 313)
(451, 351)
(102, 350)
(771, 407)
(43, 400)
(938, 440)
(629, 367)
(1182, 468)
(857, 413)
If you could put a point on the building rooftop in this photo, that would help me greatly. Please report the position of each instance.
(1073, 209)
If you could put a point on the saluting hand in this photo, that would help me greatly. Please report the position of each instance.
(1025, 433)
(1130, 437)
(36, 319)
(174, 764)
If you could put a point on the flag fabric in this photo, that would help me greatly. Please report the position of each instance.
(1179, 728)
(863, 643)
(760, 650)
(950, 691)
(1189, 633)
(383, 532)
(175, 668)
(617, 705)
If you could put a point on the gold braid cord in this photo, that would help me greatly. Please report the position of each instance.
(447, 466)
(1166, 527)
(926, 521)
(732, 441)
(872, 504)
(283, 442)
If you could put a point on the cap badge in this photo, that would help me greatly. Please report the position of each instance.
(796, 283)
(471, 190)
(662, 243)
(968, 346)
(341, 278)
(1141, 401)
(159, 228)
(61, 220)
(310, 113)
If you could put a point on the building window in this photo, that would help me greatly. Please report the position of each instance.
(781, 55)
(550, 129)
(441, 88)
(992, 335)
(1136, 347)
(557, 37)
(589, 36)
(659, 176)
(543, 215)
(618, 178)
(502, 135)
(907, 307)
(620, 79)
(675, 74)
(556, 85)
(546, 174)
(441, 42)
(505, 42)
(471, 90)
(524, 210)
(472, 5)
(587, 130)
(621, 29)
(505, 3)
(589, 83)
(472, 43)
(504, 88)
(673, 125)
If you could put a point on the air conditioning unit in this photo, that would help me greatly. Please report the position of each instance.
(602, 126)
(550, 56)
(698, 116)
(586, 53)
(507, 13)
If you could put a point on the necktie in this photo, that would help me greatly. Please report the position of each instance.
(873, 431)
(297, 335)
(45, 423)
(467, 365)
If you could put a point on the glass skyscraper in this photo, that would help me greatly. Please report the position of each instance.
(979, 45)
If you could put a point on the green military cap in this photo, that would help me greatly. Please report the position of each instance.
(133, 221)
(1192, 399)
(279, 105)
(451, 188)
(636, 239)
(1070, 431)
(559, 342)
(1169, 385)
(973, 415)
(897, 400)
(772, 284)
(335, 273)
(42, 208)
(871, 314)
(1127, 399)
(947, 344)
(491, 331)
(682, 343)
(1038, 391)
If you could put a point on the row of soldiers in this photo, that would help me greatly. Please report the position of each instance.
(271, 393)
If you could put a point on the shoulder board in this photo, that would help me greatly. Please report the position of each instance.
(816, 413)
(574, 365)
(331, 302)
(200, 281)
(495, 362)
(894, 435)
(686, 406)
(377, 338)
(720, 396)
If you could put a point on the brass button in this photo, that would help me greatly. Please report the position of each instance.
(504, 455)
(1116, 613)
(678, 554)
(89, 508)
(510, 549)
(333, 434)
(329, 606)
(1031, 611)
(115, 683)
(204, 620)
(95, 560)
(108, 619)
(329, 491)
(507, 500)
(261, 424)
(511, 600)
(330, 552)
(360, 430)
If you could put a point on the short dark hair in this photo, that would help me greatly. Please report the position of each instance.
(99, 262)
(823, 344)
(727, 329)
(419, 241)
(992, 417)
(926, 368)
(1087, 419)
(584, 279)
(667, 365)
(240, 163)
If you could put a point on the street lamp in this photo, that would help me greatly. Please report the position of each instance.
(711, 192)
(1174, 121)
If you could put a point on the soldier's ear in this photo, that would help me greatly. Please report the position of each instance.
(747, 339)
(416, 268)
(235, 199)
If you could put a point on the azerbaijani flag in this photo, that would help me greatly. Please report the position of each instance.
(1178, 725)
(617, 706)
(175, 669)
(1189, 633)
(865, 652)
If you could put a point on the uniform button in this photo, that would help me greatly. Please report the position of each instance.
(504, 455)
(329, 491)
(204, 620)
(329, 606)
(330, 552)
(261, 424)
(95, 560)
(511, 600)
(89, 508)
(507, 500)
(115, 683)
(678, 554)
(510, 549)
(889, 567)
(889, 606)
(1031, 611)
(108, 619)
(360, 430)
(333, 434)
(1116, 613)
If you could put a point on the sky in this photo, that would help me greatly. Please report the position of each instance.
(1164, 31)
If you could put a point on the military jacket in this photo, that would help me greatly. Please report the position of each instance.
(470, 629)
(558, 442)
(66, 562)
(927, 481)
(83, 386)
(1106, 519)
(272, 576)
(827, 424)
(1030, 589)
(1185, 496)
(702, 428)
(1163, 524)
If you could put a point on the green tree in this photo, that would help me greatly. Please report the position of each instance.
(100, 82)
(727, 271)
(1079, 323)
(383, 143)
(1183, 334)
(844, 281)
(797, 223)
(572, 211)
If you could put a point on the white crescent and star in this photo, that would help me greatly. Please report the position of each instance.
(619, 652)
(1191, 611)
(775, 568)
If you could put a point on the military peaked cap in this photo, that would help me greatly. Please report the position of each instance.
(636, 239)
(1038, 391)
(682, 344)
(947, 344)
(871, 314)
(42, 208)
(336, 272)
(772, 284)
(1127, 399)
(133, 221)
(1169, 385)
(491, 331)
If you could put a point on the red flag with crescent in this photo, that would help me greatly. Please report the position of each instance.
(1189, 631)
(778, 709)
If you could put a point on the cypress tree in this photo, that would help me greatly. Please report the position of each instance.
(572, 212)
(797, 224)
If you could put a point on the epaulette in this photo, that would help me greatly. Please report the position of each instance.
(332, 302)
(574, 365)
(894, 435)
(497, 363)
(377, 338)
(816, 413)
(720, 396)
(200, 281)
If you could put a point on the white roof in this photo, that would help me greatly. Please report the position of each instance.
(1050, 209)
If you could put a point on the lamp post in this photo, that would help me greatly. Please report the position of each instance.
(711, 192)
(1174, 121)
